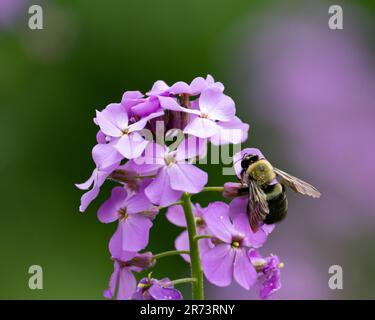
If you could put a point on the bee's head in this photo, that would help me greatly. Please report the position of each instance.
(248, 159)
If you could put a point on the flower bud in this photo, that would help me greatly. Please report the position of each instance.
(232, 190)
(143, 260)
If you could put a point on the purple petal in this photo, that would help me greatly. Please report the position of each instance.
(182, 243)
(234, 132)
(112, 120)
(238, 209)
(255, 258)
(175, 215)
(158, 292)
(200, 84)
(115, 247)
(187, 177)
(217, 105)
(138, 203)
(131, 145)
(158, 88)
(106, 157)
(271, 281)
(218, 265)
(108, 212)
(244, 272)
(87, 184)
(202, 128)
(110, 292)
(147, 107)
(191, 147)
(204, 246)
(101, 138)
(268, 228)
(170, 103)
(152, 159)
(127, 284)
(130, 99)
(135, 232)
(217, 219)
(160, 192)
(179, 88)
(88, 197)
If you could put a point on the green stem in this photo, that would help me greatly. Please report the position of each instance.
(170, 253)
(203, 236)
(213, 189)
(183, 280)
(195, 261)
(171, 205)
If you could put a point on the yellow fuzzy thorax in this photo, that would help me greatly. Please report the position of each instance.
(261, 171)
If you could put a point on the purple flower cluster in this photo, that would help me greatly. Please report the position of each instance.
(152, 174)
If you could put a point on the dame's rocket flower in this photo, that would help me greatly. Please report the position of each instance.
(233, 240)
(107, 159)
(133, 213)
(114, 123)
(175, 215)
(269, 271)
(122, 277)
(153, 289)
(175, 174)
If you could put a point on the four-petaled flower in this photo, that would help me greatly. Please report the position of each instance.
(114, 123)
(175, 174)
(134, 214)
(233, 239)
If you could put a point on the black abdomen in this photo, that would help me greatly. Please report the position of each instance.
(278, 207)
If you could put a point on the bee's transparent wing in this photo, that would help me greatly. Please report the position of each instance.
(257, 207)
(296, 184)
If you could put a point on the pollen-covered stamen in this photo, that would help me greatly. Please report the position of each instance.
(125, 131)
(170, 159)
(200, 222)
(204, 115)
(236, 242)
(123, 214)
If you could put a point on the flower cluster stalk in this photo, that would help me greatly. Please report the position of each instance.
(196, 266)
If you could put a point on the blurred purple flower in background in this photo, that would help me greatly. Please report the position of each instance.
(11, 11)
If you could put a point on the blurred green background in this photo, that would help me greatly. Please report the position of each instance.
(51, 82)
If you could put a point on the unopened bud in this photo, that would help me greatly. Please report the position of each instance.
(143, 260)
(232, 190)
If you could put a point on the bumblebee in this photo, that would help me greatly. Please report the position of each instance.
(266, 186)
